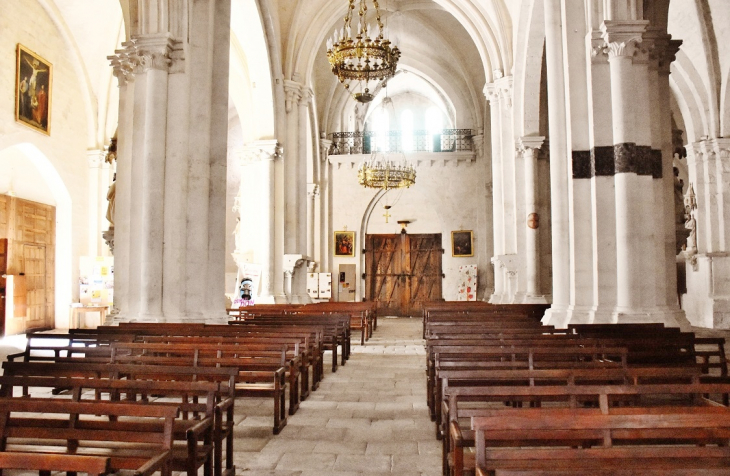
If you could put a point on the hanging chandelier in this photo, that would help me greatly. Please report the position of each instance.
(386, 171)
(367, 58)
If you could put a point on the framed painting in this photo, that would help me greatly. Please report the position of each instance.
(462, 243)
(344, 243)
(33, 79)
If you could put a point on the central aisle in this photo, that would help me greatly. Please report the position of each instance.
(368, 418)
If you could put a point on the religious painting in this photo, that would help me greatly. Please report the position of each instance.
(462, 243)
(344, 243)
(33, 90)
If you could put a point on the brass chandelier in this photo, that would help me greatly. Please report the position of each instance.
(368, 57)
(386, 171)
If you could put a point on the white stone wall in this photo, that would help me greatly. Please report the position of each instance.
(26, 22)
(446, 197)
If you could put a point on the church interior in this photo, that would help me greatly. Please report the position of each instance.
(173, 161)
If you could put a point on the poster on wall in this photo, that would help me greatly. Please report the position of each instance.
(96, 281)
(467, 290)
(33, 90)
(247, 285)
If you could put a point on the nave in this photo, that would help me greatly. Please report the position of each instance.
(368, 418)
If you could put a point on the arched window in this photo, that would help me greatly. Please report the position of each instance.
(434, 126)
(383, 131)
(406, 128)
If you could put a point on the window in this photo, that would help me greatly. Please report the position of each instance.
(406, 127)
(434, 126)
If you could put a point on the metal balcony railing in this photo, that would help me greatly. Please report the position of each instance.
(448, 140)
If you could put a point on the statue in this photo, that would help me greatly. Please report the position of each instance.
(111, 197)
(690, 205)
(679, 208)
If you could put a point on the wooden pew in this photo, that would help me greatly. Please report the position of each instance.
(45, 463)
(73, 428)
(622, 442)
(180, 382)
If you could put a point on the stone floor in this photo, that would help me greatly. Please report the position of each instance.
(369, 418)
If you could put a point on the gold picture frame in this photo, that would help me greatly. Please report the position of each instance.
(33, 79)
(344, 243)
(462, 243)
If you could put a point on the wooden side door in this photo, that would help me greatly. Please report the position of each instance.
(3, 271)
(384, 279)
(34, 259)
(424, 271)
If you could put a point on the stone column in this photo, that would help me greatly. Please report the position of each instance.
(559, 156)
(635, 244)
(260, 156)
(312, 195)
(492, 94)
(325, 206)
(529, 147)
(170, 232)
(291, 168)
(598, 165)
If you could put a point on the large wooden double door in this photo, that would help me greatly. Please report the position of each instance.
(403, 272)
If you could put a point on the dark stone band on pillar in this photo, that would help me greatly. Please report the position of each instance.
(624, 158)
(581, 164)
(638, 159)
(656, 163)
(602, 161)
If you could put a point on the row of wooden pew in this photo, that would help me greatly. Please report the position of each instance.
(363, 315)
(510, 396)
(157, 397)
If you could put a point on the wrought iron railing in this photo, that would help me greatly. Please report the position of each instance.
(447, 140)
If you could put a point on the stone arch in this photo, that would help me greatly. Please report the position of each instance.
(39, 159)
(692, 97)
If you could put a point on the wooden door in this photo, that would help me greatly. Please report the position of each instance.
(34, 260)
(403, 272)
(424, 271)
(3, 271)
(384, 281)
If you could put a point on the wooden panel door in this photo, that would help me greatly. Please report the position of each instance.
(34, 258)
(424, 271)
(3, 271)
(384, 281)
(402, 272)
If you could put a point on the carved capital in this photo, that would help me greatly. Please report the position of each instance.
(664, 51)
(306, 96)
(96, 158)
(324, 149)
(505, 90)
(146, 52)
(258, 151)
(478, 141)
(622, 37)
(529, 145)
(491, 92)
(293, 91)
(597, 47)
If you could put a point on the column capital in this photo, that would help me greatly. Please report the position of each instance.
(597, 47)
(491, 92)
(258, 151)
(665, 50)
(146, 52)
(529, 144)
(505, 89)
(293, 91)
(96, 158)
(721, 147)
(478, 141)
(622, 37)
(324, 149)
(306, 96)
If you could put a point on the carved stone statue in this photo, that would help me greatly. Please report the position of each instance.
(679, 208)
(690, 205)
(111, 198)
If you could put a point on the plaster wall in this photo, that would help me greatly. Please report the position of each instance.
(26, 22)
(445, 198)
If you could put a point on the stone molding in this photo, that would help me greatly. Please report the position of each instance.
(622, 37)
